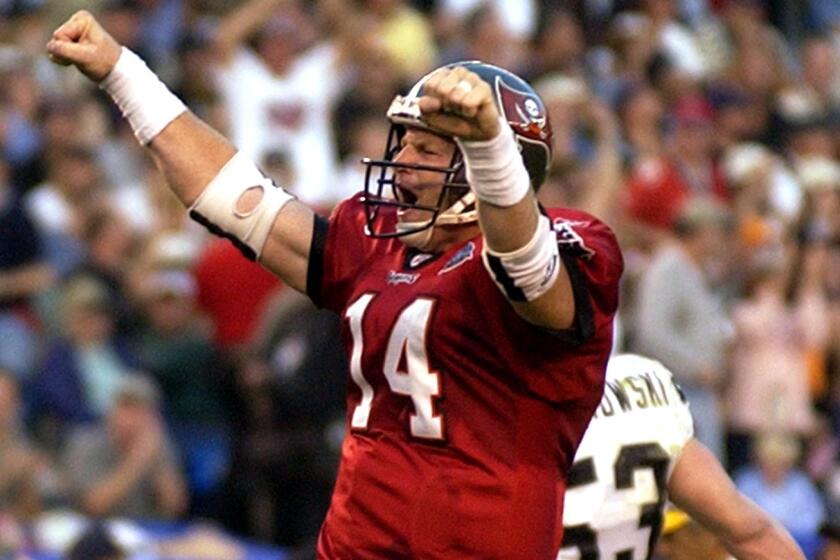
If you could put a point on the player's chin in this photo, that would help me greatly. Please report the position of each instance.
(410, 216)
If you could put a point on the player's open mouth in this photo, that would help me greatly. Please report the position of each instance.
(405, 195)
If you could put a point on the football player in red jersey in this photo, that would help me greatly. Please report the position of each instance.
(477, 324)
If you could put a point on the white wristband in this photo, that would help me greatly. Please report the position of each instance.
(530, 271)
(143, 99)
(495, 170)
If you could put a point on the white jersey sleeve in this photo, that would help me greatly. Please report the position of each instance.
(615, 493)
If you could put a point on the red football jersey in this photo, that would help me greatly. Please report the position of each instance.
(462, 417)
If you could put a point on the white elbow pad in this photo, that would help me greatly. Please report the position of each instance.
(527, 273)
(216, 207)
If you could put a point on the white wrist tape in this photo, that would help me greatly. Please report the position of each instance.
(216, 208)
(495, 170)
(527, 273)
(143, 99)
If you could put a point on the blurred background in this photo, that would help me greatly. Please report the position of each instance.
(150, 373)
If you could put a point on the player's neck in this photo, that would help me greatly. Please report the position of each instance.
(445, 237)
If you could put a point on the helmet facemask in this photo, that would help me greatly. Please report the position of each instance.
(384, 198)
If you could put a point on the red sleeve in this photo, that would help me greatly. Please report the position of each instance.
(563, 366)
(593, 260)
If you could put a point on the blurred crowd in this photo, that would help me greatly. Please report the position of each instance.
(148, 370)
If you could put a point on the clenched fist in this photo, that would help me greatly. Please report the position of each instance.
(82, 42)
(457, 102)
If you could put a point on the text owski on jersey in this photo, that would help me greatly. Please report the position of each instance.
(645, 390)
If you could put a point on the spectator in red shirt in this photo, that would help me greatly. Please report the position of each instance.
(233, 291)
(658, 187)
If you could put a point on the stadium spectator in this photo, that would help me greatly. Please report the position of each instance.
(27, 480)
(776, 331)
(20, 134)
(23, 276)
(110, 247)
(176, 349)
(293, 403)
(558, 45)
(586, 168)
(681, 320)
(780, 488)
(676, 40)
(127, 466)
(641, 110)
(233, 293)
(631, 46)
(484, 37)
(280, 94)
(59, 206)
(405, 35)
(821, 73)
(85, 366)
(659, 188)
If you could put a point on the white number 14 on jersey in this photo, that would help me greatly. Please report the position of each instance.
(408, 338)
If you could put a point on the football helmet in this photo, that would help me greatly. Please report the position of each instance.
(517, 103)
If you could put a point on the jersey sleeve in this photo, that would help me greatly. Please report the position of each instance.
(683, 423)
(593, 261)
(680, 422)
(562, 366)
(338, 252)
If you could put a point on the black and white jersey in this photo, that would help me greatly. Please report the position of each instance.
(615, 493)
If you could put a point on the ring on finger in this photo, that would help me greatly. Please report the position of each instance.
(464, 85)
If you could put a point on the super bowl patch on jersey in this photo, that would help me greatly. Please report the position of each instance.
(463, 254)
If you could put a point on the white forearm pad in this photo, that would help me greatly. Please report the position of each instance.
(216, 206)
(527, 273)
(143, 99)
(495, 170)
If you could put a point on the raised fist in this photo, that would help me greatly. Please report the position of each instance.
(82, 42)
(457, 102)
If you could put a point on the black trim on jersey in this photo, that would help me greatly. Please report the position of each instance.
(583, 326)
(512, 291)
(315, 270)
(584, 323)
(581, 473)
(246, 251)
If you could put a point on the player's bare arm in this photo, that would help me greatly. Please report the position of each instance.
(458, 103)
(700, 487)
(192, 156)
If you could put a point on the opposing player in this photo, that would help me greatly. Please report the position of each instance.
(639, 451)
(477, 326)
